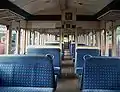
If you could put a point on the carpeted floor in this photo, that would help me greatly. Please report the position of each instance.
(68, 81)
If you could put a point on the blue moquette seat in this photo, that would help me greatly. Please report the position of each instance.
(26, 74)
(51, 50)
(73, 50)
(62, 50)
(57, 44)
(80, 52)
(101, 74)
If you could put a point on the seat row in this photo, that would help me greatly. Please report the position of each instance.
(37, 71)
(96, 73)
(77, 54)
(80, 53)
(27, 73)
(101, 74)
(72, 48)
(54, 51)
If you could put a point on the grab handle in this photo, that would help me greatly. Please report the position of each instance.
(51, 56)
(87, 56)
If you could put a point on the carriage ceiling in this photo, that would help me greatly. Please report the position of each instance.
(51, 9)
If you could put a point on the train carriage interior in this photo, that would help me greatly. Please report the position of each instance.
(60, 46)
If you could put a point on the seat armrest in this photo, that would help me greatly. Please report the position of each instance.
(79, 71)
(57, 71)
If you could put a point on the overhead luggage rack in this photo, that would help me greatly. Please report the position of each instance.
(53, 31)
(8, 15)
(110, 15)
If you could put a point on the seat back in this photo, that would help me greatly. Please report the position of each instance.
(57, 44)
(51, 50)
(62, 51)
(26, 71)
(81, 52)
(101, 73)
(73, 50)
(70, 48)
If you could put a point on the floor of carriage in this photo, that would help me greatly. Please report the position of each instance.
(68, 81)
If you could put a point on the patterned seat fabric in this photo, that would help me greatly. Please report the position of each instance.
(101, 74)
(52, 51)
(26, 71)
(6, 74)
(25, 89)
(72, 49)
(79, 62)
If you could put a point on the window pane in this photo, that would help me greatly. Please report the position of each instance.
(14, 33)
(3, 39)
(118, 41)
(22, 41)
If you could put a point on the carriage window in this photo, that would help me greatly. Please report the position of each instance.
(118, 41)
(3, 39)
(14, 33)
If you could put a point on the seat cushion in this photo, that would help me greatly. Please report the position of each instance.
(25, 89)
